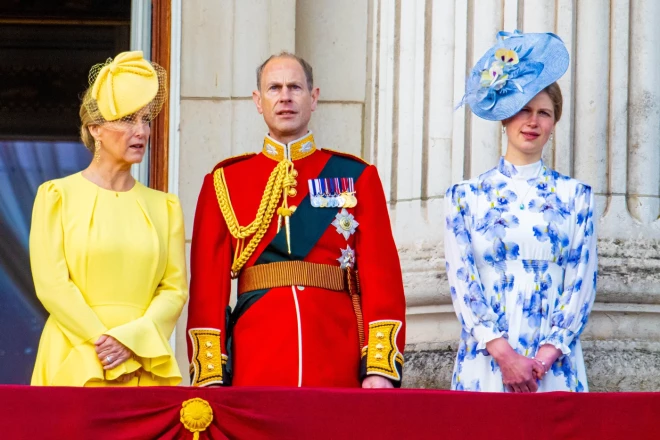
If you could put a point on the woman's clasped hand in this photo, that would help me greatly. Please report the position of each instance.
(519, 373)
(112, 354)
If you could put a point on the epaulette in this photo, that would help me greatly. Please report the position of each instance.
(350, 156)
(233, 159)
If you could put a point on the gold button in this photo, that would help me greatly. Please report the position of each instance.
(380, 335)
(208, 344)
(209, 354)
(210, 366)
(378, 356)
(379, 346)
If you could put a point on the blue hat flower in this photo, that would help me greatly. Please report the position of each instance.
(512, 72)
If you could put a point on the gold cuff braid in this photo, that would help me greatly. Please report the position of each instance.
(207, 359)
(381, 350)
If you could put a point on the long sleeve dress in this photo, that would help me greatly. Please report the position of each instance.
(520, 248)
(107, 263)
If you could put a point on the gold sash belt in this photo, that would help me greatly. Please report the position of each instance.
(295, 273)
(302, 273)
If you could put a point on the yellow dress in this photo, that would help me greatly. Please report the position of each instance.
(107, 263)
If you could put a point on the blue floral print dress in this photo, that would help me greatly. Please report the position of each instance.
(520, 248)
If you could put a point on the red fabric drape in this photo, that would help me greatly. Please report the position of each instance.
(284, 413)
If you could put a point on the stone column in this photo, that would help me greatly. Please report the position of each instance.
(644, 154)
(332, 37)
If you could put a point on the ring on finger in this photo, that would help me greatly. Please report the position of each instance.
(545, 370)
(108, 358)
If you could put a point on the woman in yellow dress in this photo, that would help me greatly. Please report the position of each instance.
(107, 253)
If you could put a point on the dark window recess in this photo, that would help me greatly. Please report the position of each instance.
(47, 48)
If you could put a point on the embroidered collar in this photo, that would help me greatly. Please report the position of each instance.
(295, 150)
(522, 172)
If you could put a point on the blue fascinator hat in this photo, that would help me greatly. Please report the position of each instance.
(512, 72)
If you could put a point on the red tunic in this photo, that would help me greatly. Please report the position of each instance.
(296, 335)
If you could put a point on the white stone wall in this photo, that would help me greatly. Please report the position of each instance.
(391, 73)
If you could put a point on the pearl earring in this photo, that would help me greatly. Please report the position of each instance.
(552, 136)
(503, 129)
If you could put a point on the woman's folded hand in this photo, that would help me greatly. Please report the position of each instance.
(518, 372)
(111, 352)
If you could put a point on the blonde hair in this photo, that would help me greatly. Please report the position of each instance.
(85, 121)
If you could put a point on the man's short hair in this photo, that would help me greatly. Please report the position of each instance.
(304, 64)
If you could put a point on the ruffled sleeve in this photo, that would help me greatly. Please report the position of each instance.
(60, 296)
(148, 335)
(475, 314)
(50, 272)
(574, 303)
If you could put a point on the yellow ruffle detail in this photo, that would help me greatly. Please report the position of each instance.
(80, 367)
(63, 364)
(129, 366)
(154, 353)
(196, 415)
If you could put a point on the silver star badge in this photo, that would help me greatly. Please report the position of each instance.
(345, 223)
(347, 259)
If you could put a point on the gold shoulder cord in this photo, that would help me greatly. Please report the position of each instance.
(281, 179)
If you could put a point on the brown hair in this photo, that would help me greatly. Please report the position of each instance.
(304, 64)
(554, 92)
(85, 121)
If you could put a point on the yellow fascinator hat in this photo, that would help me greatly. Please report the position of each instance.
(123, 86)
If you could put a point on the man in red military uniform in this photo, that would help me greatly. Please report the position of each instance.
(306, 231)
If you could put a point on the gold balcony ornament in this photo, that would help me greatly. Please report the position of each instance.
(196, 415)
